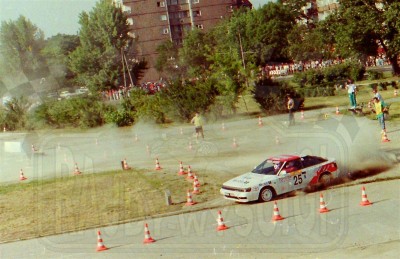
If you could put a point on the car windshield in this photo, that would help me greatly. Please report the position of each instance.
(267, 167)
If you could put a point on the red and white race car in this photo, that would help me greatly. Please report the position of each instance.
(278, 175)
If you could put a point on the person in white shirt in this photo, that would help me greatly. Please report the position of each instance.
(351, 90)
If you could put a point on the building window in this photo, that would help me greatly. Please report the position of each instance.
(200, 26)
(161, 4)
(165, 31)
(196, 13)
(196, 1)
(163, 17)
(172, 2)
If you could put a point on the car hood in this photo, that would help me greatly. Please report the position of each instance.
(248, 180)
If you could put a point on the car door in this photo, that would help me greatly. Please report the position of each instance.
(298, 174)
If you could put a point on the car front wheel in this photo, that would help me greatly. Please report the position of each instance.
(266, 194)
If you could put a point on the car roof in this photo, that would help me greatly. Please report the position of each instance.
(284, 158)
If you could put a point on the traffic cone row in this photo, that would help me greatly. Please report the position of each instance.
(220, 220)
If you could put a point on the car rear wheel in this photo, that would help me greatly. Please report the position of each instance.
(266, 194)
(325, 179)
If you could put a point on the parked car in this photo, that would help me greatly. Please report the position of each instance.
(65, 94)
(82, 90)
(278, 175)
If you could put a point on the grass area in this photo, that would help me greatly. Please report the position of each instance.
(247, 104)
(40, 208)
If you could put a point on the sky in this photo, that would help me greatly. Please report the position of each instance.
(56, 16)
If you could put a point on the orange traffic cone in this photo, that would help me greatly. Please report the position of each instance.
(76, 171)
(276, 216)
(196, 189)
(235, 144)
(147, 237)
(181, 170)
(33, 148)
(190, 147)
(196, 181)
(22, 176)
(100, 245)
(158, 167)
(189, 200)
(302, 115)
(260, 122)
(395, 92)
(337, 110)
(223, 126)
(190, 176)
(221, 224)
(125, 165)
(364, 199)
(322, 206)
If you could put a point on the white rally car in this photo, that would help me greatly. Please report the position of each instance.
(279, 175)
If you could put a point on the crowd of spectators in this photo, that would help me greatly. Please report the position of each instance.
(124, 91)
(284, 69)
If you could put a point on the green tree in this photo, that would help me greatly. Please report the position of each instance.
(104, 40)
(360, 26)
(21, 43)
(15, 113)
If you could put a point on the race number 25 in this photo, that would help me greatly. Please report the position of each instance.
(298, 179)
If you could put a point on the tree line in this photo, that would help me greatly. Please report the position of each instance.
(208, 73)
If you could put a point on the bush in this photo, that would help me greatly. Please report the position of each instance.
(182, 100)
(374, 75)
(271, 96)
(320, 82)
(84, 112)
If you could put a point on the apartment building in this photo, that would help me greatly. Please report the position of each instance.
(326, 7)
(156, 21)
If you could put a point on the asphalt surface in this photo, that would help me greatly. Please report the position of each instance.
(348, 230)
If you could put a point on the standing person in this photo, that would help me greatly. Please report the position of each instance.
(351, 90)
(290, 107)
(379, 109)
(198, 125)
(379, 96)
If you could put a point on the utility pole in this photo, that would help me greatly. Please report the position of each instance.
(244, 66)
